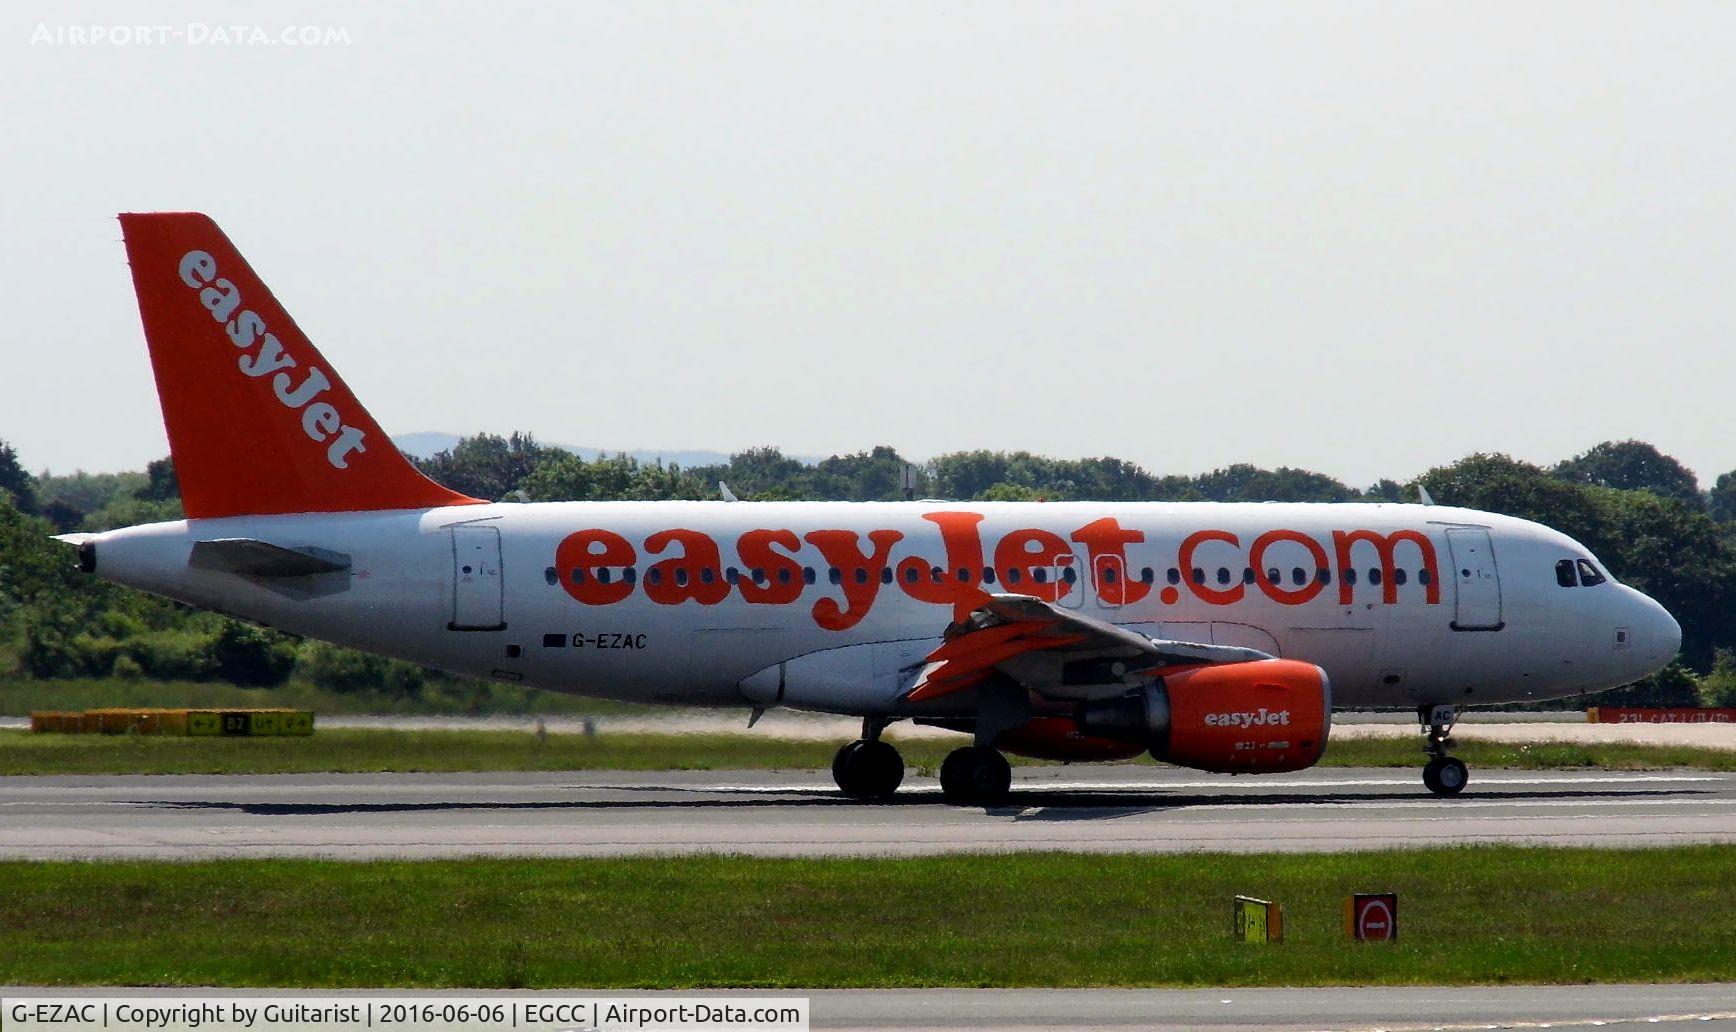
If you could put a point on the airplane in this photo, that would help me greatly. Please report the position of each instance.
(1219, 637)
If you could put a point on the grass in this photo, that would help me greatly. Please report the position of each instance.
(21, 695)
(350, 750)
(1473, 915)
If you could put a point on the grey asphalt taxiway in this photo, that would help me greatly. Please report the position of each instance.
(611, 813)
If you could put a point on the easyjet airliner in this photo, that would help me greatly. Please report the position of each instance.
(1214, 636)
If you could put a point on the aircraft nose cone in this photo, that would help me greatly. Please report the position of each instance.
(1659, 635)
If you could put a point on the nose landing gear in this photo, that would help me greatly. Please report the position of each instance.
(1443, 775)
(868, 768)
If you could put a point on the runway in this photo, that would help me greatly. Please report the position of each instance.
(1083, 809)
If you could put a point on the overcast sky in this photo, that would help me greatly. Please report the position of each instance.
(1358, 238)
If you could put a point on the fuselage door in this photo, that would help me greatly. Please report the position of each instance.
(1071, 583)
(1477, 605)
(1109, 579)
(477, 585)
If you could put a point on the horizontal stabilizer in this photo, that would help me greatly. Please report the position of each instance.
(254, 558)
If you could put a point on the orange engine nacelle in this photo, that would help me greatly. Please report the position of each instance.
(1259, 717)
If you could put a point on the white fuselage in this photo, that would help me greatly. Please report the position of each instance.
(1463, 608)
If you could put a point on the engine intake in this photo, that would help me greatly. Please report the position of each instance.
(1264, 716)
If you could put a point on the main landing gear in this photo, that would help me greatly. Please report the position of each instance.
(1444, 775)
(975, 774)
(868, 768)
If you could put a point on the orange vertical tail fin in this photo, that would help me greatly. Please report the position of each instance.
(259, 423)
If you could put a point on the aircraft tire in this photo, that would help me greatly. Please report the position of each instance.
(1446, 775)
(975, 774)
(868, 770)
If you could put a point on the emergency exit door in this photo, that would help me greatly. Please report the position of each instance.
(478, 590)
(1476, 580)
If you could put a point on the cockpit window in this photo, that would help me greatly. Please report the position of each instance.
(1564, 575)
(1588, 574)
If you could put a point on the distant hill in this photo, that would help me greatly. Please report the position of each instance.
(425, 444)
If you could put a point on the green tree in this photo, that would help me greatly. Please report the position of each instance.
(1721, 500)
(254, 657)
(1674, 685)
(1633, 466)
(1247, 483)
(1387, 490)
(15, 482)
(486, 466)
(1718, 688)
(88, 492)
(1004, 492)
(561, 476)
(764, 474)
(870, 476)
(161, 484)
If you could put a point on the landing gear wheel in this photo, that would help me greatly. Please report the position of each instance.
(868, 769)
(1446, 775)
(975, 774)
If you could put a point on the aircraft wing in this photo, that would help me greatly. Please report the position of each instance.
(1055, 652)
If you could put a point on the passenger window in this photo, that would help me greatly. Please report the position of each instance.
(1147, 575)
(808, 576)
(680, 577)
(1109, 575)
(886, 575)
(1274, 576)
(1350, 575)
(1323, 575)
(835, 575)
(1589, 575)
(1424, 577)
(1298, 576)
(911, 575)
(1374, 575)
(783, 575)
(578, 575)
(1199, 575)
(1173, 575)
(1398, 576)
(1247, 575)
(759, 575)
(963, 575)
(732, 575)
(1014, 575)
(629, 575)
(1564, 575)
(654, 576)
(604, 575)
(1223, 575)
(551, 576)
(1040, 575)
(988, 575)
(936, 574)
(707, 575)
(1069, 575)
(861, 575)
